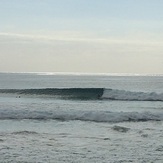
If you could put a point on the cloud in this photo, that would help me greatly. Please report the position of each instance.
(70, 36)
(76, 52)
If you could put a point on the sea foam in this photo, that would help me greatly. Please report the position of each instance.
(95, 116)
(114, 94)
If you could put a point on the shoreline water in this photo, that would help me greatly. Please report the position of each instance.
(46, 129)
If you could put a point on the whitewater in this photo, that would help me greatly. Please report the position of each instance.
(52, 117)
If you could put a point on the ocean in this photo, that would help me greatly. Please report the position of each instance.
(81, 118)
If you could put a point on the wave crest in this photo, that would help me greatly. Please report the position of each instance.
(66, 93)
(88, 94)
(94, 116)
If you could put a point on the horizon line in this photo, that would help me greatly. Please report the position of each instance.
(83, 73)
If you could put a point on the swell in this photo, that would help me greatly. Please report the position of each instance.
(88, 94)
(68, 93)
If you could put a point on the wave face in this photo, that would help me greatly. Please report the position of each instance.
(88, 94)
(94, 116)
(68, 93)
(114, 94)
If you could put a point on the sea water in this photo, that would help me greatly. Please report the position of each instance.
(48, 117)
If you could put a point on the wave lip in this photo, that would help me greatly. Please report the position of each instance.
(115, 94)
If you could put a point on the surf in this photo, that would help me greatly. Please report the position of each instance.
(86, 94)
(65, 93)
(92, 116)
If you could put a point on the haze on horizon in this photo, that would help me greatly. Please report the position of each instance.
(89, 36)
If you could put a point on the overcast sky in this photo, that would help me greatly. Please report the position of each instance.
(92, 36)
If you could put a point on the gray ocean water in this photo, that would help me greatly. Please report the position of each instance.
(46, 117)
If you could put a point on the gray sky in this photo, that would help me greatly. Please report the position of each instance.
(92, 36)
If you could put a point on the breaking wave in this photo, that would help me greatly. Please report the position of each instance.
(24, 133)
(88, 94)
(94, 116)
(114, 94)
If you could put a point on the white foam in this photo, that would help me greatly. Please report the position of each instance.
(115, 94)
(95, 116)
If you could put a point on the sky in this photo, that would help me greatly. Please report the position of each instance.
(85, 36)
